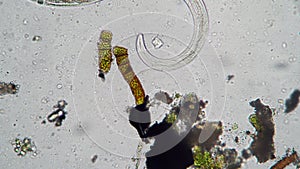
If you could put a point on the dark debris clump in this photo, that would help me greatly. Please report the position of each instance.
(94, 158)
(59, 114)
(292, 102)
(287, 160)
(8, 88)
(262, 146)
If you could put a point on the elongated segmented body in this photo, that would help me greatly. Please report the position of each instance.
(104, 53)
(286, 161)
(123, 63)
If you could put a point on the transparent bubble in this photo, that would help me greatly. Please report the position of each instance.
(59, 86)
(292, 59)
(25, 21)
(26, 36)
(283, 90)
(157, 42)
(270, 43)
(45, 100)
(284, 44)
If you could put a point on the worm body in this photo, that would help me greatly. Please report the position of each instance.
(126, 70)
(104, 53)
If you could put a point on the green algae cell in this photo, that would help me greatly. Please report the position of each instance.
(255, 122)
(171, 118)
(204, 160)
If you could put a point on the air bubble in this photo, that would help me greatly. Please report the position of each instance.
(283, 90)
(45, 100)
(34, 62)
(25, 21)
(59, 86)
(26, 36)
(45, 69)
(157, 42)
(280, 101)
(115, 165)
(36, 38)
(284, 44)
(269, 43)
(36, 18)
(292, 59)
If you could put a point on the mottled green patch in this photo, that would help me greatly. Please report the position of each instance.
(177, 95)
(255, 122)
(235, 126)
(171, 118)
(120, 51)
(204, 160)
(22, 147)
(106, 36)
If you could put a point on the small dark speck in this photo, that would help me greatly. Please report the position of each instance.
(229, 77)
(94, 158)
(43, 122)
(236, 139)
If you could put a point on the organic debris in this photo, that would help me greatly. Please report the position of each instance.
(262, 146)
(22, 147)
(104, 53)
(59, 114)
(94, 158)
(285, 161)
(205, 160)
(129, 76)
(292, 102)
(163, 97)
(229, 78)
(8, 88)
(197, 139)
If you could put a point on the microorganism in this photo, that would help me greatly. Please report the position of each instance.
(104, 53)
(128, 74)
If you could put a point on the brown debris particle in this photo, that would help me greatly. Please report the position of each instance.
(292, 102)
(229, 78)
(262, 146)
(163, 97)
(8, 88)
(94, 158)
(285, 161)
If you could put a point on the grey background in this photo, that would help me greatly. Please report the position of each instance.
(257, 41)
